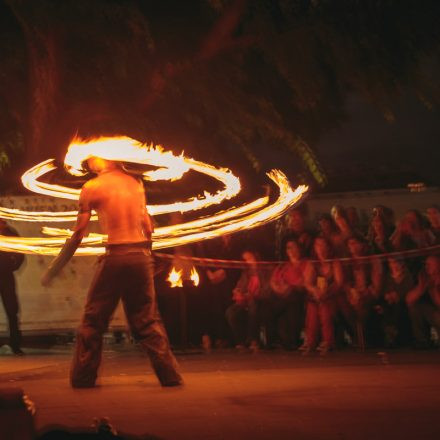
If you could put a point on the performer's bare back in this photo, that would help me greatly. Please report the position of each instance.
(119, 200)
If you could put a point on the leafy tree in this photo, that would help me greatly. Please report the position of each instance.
(230, 81)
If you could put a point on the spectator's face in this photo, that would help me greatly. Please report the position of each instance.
(325, 225)
(293, 251)
(396, 267)
(249, 257)
(433, 215)
(432, 265)
(296, 221)
(412, 221)
(355, 247)
(321, 249)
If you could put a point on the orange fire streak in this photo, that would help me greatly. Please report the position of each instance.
(247, 216)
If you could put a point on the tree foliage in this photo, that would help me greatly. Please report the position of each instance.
(226, 80)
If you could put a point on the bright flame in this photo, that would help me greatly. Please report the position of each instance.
(175, 278)
(195, 278)
(246, 216)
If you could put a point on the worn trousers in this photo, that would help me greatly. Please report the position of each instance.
(128, 277)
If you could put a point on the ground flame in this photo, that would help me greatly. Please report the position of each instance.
(175, 278)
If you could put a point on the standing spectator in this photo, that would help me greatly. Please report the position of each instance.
(217, 291)
(380, 230)
(296, 229)
(344, 231)
(10, 262)
(354, 220)
(433, 214)
(424, 302)
(323, 281)
(393, 309)
(412, 232)
(327, 228)
(286, 302)
(364, 279)
(243, 315)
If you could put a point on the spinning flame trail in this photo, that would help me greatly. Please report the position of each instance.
(169, 167)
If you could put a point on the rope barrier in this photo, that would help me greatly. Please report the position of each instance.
(239, 264)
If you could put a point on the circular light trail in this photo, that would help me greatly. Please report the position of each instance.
(170, 167)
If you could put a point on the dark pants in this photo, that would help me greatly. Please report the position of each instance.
(396, 325)
(128, 277)
(285, 314)
(244, 321)
(216, 300)
(10, 303)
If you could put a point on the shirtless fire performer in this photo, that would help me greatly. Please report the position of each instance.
(125, 271)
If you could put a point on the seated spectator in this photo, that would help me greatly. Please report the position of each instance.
(363, 283)
(424, 303)
(433, 214)
(286, 301)
(392, 307)
(243, 315)
(323, 281)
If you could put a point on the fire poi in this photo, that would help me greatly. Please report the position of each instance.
(169, 167)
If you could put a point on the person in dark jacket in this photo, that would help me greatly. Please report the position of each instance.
(10, 262)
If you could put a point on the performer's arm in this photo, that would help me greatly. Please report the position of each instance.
(71, 244)
(147, 223)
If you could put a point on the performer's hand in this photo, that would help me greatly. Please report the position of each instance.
(46, 279)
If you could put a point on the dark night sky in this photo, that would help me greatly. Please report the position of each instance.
(408, 145)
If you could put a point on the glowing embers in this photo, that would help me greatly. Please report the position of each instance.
(171, 167)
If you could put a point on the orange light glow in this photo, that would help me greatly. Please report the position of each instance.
(175, 278)
(195, 278)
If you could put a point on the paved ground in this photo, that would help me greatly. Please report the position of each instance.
(229, 395)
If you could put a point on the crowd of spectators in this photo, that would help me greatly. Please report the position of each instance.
(339, 284)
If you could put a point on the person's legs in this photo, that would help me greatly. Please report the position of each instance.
(312, 325)
(253, 327)
(101, 302)
(10, 303)
(418, 324)
(236, 317)
(297, 315)
(139, 300)
(269, 315)
(433, 317)
(325, 311)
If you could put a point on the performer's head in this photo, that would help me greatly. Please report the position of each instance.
(99, 165)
